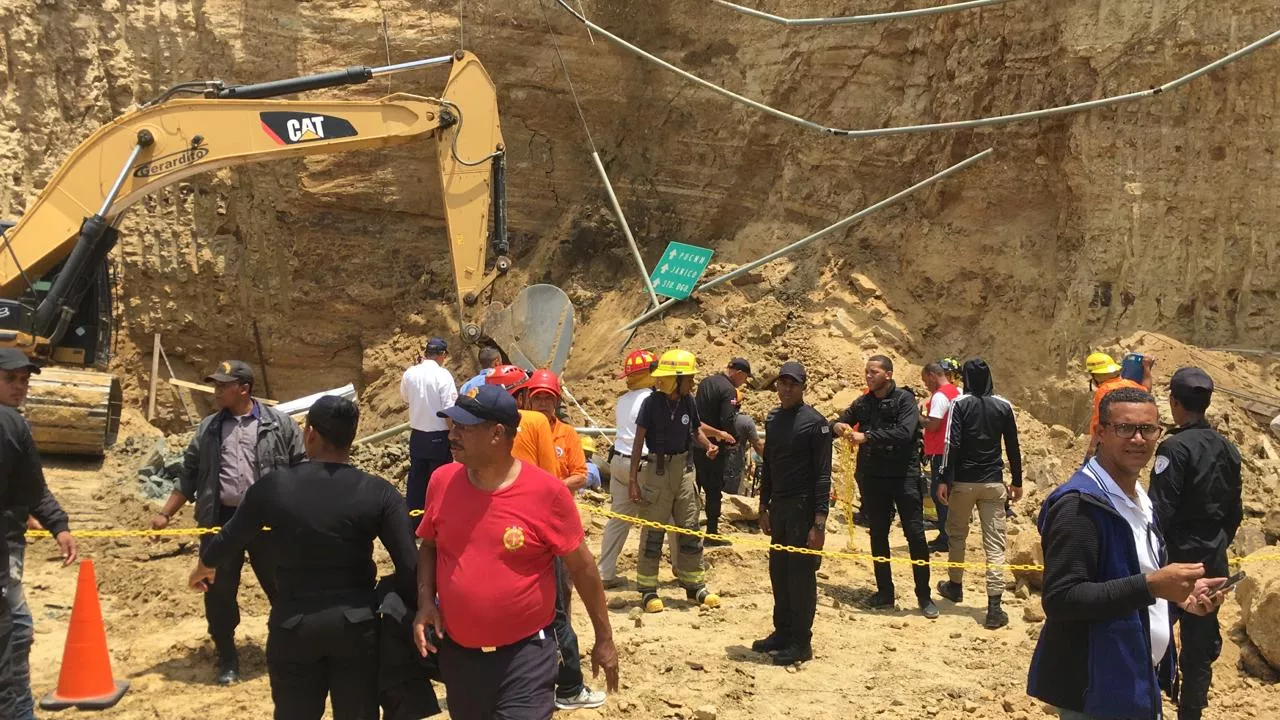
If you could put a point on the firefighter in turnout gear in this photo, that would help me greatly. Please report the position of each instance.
(661, 484)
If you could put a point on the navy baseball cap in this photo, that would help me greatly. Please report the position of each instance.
(436, 345)
(14, 359)
(1190, 380)
(793, 370)
(490, 404)
(740, 364)
(231, 371)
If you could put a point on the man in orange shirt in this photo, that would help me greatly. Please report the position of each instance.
(534, 443)
(1104, 376)
(537, 443)
(544, 397)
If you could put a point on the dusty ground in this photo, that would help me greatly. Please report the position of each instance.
(867, 664)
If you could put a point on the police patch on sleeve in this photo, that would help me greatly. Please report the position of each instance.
(1162, 463)
(826, 429)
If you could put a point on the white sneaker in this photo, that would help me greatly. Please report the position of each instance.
(587, 698)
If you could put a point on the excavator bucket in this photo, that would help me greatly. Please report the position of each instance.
(535, 331)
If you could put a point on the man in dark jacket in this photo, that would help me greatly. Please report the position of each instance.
(323, 637)
(795, 493)
(1195, 487)
(888, 475)
(234, 447)
(15, 380)
(1105, 649)
(973, 474)
(717, 400)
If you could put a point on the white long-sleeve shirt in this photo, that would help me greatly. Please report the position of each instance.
(427, 389)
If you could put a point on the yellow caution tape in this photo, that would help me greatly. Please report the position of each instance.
(736, 540)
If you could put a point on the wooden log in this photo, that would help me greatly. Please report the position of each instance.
(73, 412)
(155, 373)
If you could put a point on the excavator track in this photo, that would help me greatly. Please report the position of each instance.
(73, 411)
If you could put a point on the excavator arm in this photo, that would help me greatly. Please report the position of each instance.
(72, 221)
(54, 289)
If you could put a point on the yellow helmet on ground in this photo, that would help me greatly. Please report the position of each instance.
(1100, 363)
(676, 363)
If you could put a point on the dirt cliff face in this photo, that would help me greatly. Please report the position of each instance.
(1156, 215)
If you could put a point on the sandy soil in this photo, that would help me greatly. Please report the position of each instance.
(867, 664)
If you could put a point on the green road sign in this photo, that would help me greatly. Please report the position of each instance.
(679, 270)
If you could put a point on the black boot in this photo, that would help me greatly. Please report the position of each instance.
(996, 616)
(228, 662)
(951, 591)
(793, 654)
(772, 643)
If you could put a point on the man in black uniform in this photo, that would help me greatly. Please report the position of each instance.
(717, 401)
(1195, 494)
(889, 475)
(795, 492)
(323, 515)
(21, 486)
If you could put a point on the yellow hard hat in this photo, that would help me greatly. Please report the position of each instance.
(1100, 363)
(588, 444)
(676, 363)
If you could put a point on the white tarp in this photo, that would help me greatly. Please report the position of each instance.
(293, 407)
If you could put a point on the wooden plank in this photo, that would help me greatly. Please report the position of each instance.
(209, 389)
(155, 373)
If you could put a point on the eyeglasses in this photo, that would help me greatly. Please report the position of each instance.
(1126, 431)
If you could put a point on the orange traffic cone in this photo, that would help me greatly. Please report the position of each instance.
(85, 681)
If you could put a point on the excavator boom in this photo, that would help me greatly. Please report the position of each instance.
(52, 270)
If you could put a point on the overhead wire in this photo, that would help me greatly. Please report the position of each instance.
(858, 19)
(928, 127)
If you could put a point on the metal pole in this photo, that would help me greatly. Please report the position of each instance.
(929, 127)
(383, 435)
(859, 19)
(410, 65)
(821, 233)
(626, 229)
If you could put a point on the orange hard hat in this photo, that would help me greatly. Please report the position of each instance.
(638, 361)
(543, 381)
(509, 377)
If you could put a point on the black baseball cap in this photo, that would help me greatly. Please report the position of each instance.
(740, 364)
(436, 345)
(1190, 381)
(490, 404)
(15, 359)
(232, 371)
(793, 370)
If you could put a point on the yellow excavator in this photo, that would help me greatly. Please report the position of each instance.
(55, 285)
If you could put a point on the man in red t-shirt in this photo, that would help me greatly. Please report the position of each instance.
(935, 413)
(491, 531)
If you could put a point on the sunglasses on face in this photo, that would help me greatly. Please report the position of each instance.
(1126, 431)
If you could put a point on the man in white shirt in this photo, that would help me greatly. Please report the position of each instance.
(427, 388)
(635, 370)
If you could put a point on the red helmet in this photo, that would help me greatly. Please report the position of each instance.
(509, 377)
(638, 361)
(543, 381)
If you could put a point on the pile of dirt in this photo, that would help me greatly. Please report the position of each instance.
(389, 460)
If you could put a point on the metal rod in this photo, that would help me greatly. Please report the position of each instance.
(858, 19)
(119, 183)
(929, 127)
(626, 229)
(411, 65)
(383, 435)
(821, 233)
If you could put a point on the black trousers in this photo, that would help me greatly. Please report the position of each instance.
(569, 679)
(1200, 644)
(8, 692)
(221, 605)
(709, 475)
(331, 652)
(514, 682)
(794, 577)
(427, 452)
(879, 498)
